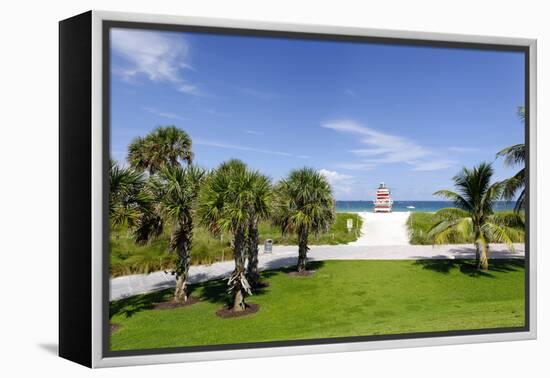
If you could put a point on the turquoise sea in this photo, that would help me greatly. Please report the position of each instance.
(428, 206)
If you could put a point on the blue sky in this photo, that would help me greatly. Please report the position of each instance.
(359, 113)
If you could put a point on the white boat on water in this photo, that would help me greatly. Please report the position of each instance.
(383, 201)
(411, 207)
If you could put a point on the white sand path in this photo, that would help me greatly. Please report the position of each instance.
(383, 229)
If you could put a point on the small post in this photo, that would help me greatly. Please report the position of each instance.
(349, 224)
(268, 246)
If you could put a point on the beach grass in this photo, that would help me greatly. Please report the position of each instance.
(128, 258)
(342, 298)
(338, 234)
(420, 223)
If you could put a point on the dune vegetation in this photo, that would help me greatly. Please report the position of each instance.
(127, 257)
(420, 224)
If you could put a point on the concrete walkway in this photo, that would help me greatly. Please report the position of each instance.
(282, 256)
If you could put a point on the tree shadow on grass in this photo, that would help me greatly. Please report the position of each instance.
(311, 266)
(216, 291)
(469, 267)
(132, 305)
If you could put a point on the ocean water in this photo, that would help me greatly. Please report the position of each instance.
(427, 206)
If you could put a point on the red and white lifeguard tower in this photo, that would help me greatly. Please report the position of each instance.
(383, 201)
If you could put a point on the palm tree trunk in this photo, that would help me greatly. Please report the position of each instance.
(183, 247)
(181, 289)
(239, 249)
(238, 301)
(477, 253)
(252, 268)
(484, 258)
(236, 281)
(302, 250)
(477, 243)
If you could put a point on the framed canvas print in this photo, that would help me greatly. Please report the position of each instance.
(233, 189)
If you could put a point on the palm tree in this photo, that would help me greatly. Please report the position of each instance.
(224, 206)
(175, 190)
(474, 218)
(126, 195)
(259, 209)
(513, 156)
(304, 204)
(164, 146)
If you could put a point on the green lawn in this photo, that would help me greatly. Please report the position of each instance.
(343, 298)
(129, 258)
(420, 223)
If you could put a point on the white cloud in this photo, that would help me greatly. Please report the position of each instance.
(384, 148)
(349, 92)
(356, 166)
(189, 89)
(341, 183)
(163, 114)
(210, 143)
(431, 165)
(463, 149)
(158, 56)
(333, 176)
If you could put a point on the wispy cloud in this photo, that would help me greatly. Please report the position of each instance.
(215, 112)
(254, 132)
(259, 94)
(435, 165)
(157, 56)
(349, 92)
(164, 114)
(356, 166)
(463, 149)
(341, 183)
(384, 148)
(211, 143)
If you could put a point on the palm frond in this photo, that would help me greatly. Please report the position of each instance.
(304, 201)
(148, 227)
(508, 219)
(164, 146)
(501, 234)
(448, 230)
(520, 202)
(456, 198)
(513, 185)
(451, 213)
(513, 155)
(521, 113)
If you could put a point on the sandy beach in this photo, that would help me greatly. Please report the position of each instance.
(383, 229)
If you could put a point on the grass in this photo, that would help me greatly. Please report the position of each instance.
(338, 233)
(343, 298)
(129, 258)
(420, 223)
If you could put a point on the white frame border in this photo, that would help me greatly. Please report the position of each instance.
(97, 192)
